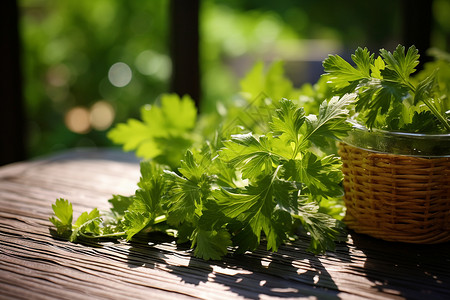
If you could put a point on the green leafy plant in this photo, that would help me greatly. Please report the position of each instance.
(164, 132)
(388, 96)
(261, 175)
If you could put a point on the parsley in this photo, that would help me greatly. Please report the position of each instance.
(388, 96)
(163, 131)
(86, 224)
(63, 212)
(262, 175)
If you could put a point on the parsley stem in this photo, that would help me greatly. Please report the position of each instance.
(411, 86)
(275, 173)
(160, 219)
(116, 234)
(433, 109)
(440, 117)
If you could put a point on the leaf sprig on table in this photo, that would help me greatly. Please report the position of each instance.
(233, 190)
(389, 97)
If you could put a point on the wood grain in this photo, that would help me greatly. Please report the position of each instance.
(36, 265)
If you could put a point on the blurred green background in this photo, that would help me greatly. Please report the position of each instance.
(88, 65)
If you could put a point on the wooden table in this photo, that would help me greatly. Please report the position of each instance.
(35, 265)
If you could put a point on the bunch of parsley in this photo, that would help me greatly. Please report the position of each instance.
(389, 97)
(262, 174)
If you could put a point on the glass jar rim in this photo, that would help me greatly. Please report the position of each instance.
(359, 126)
(395, 142)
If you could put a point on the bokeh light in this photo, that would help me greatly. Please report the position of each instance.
(81, 120)
(58, 75)
(151, 63)
(77, 120)
(101, 115)
(120, 74)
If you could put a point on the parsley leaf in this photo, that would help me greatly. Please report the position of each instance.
(163, 131)
(288, 120)
(64, 214)
(273, 83)
(340, 72)
(135, 222)
(120, 204)
(253, 208)
(254, 155)
(399, 66)
(87, 223)
(211, 244)
(322, 177)
(186, 194)
(331, 121)
(322, 228)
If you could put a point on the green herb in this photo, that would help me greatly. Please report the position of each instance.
(163, 133)
(63, 212)
(388, 96)
(231, 191)
(87, 223)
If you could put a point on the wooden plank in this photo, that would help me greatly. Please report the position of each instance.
(36, 265)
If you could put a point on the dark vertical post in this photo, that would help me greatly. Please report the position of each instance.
(11, 109)
(184, 40)
(417, 26)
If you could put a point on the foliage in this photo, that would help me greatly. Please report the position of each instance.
(388, 96)
(163, 132)
(259, 176)
(68, 49)
(69, 46)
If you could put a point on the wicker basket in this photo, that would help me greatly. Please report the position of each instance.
(396, 197)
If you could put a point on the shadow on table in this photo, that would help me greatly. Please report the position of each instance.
(411, 271)
(290, 272)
